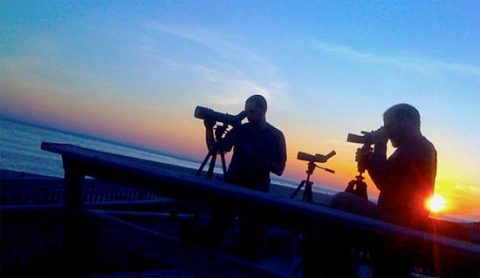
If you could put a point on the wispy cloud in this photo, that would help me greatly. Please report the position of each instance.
(146, 48)
(235, 71)
(415, 64)
(23, 73)
(232, 89)
(226, 45)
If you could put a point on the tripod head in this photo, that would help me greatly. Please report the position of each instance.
(216, 147)
(220, 130)
(311, 166)
(357, 186)
(361, 163)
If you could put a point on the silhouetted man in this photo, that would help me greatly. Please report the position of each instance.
(258, 148)
(406, 179)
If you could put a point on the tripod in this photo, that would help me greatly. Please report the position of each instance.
(307, 193)
(357, 186)
(216, 148)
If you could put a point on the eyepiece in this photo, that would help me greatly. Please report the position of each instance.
(330, 154)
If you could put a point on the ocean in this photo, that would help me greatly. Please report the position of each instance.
(20, 151)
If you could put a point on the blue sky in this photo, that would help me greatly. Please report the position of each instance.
(134, 71)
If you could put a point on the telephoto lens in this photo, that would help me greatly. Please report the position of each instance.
(205, 113)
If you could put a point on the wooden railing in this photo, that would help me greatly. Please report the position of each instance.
(337, 241)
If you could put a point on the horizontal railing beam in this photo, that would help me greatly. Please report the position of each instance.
(182, 184)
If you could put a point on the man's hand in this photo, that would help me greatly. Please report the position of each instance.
(362, 157)
(209, 124)
(362, 154)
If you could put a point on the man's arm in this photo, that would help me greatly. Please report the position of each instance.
(376, 163)
(378, 166)
(278, 165)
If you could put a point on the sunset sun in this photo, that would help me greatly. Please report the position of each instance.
(436, 203)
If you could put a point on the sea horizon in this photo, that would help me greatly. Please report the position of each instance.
(102, 139)
(31, 151)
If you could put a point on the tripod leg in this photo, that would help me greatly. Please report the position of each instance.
(307, 194)
(361, 190)
(199, 171)
(212, 165)
(297, 189)
(224, 167)
(351, 187)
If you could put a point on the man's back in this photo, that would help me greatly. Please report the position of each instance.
(409, 180)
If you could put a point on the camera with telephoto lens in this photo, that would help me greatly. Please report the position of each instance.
(208, 114)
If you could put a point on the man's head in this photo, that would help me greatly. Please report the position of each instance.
(256, 108)
(401, 121)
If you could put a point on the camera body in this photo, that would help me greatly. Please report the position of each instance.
(208, 114)
(366, 138)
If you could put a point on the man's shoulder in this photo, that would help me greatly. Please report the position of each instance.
(421, 147)
(274, 130)
(424, 143)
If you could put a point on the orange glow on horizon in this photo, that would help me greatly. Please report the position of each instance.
(463, 199)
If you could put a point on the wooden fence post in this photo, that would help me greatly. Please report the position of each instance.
(74, 176)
